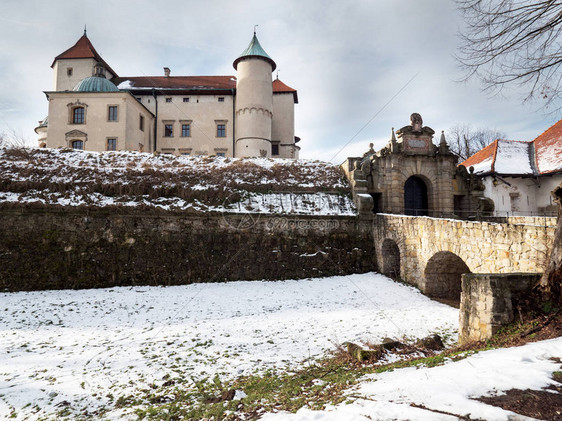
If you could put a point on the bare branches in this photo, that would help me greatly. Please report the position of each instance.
(466, 141)
(517, 42)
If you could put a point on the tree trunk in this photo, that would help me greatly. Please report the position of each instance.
(551, 281)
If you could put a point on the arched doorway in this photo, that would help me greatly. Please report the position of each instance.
(415, 197)
(390, 259)
(443, 275)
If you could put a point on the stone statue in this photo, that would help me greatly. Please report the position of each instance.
(416, 122)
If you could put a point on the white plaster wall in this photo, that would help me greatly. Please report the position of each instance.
(96, 126)
(204, 111)
(524, 196)
(283, 124)
(81, 69)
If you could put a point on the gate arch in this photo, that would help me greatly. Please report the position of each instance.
(443, 275)
(415, 197)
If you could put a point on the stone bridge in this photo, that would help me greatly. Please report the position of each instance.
(432, 253)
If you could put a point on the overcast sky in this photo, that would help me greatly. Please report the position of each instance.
(347, 59)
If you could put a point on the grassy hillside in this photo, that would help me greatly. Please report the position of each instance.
(66, 177)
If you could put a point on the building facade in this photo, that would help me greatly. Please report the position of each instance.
(92, 108)
(519, 176)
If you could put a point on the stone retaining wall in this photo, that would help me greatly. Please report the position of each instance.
(486, 302)
(56, 249)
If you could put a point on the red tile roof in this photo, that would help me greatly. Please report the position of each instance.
(83, 49)
(179, 82)
(548, 149)
(483, 155)
(279, 88)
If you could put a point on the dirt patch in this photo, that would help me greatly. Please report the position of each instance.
(543, 404)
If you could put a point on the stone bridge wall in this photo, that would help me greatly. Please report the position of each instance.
(433, 253)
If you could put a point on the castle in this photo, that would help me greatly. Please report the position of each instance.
(92, 108)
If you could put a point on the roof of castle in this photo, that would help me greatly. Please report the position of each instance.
(254, 50)
(83, 49)
(280, 88)
(177, 82)
(541, 156)
(191, 83)
(95, 84)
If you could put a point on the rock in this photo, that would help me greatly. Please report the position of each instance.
(363, 354)
(432, 342)
(391, 344)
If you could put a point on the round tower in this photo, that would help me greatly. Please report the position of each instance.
(254, 101)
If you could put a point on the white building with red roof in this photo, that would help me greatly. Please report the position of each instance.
(91, 107)
(519, 176)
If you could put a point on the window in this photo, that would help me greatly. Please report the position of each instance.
(186, 100)
(186, 130)
(168, 130)
(69, 71)
(112, 113)
(220, 154)
(78, 115)
(221, 99)
(141, 123)
(112, 144)
(274, 149)
(185, 151)
(78, 144)
(168, 99)
(221, 130)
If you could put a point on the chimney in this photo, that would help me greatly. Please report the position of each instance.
(167, 71)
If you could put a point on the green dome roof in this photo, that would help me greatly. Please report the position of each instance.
(255, 50)
(95, 84)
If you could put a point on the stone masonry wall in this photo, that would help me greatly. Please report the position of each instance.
(484, 247)
(50, 249)
(486, 302)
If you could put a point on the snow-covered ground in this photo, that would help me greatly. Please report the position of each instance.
(75, 349)
(447, 388)
(78, 346)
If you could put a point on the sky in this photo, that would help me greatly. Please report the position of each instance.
(360, 67)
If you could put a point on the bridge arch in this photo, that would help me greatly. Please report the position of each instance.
(443, 275)
(390, 256)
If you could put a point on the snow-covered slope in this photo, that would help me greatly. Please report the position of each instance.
(65, 177)
(80, 346)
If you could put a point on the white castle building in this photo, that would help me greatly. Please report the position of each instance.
(92, 108)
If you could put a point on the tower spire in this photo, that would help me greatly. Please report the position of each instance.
(85, 30)
(255, 26)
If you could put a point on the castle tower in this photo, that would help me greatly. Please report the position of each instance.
(254, 101)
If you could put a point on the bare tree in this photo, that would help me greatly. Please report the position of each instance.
(466, 141)
(514, 42)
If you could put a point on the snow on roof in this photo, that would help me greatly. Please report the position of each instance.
(548, 149)
(512, 157)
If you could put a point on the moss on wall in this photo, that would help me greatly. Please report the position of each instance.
(57, 249)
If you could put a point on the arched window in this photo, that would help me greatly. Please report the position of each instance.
(78, 144)
(78, 115)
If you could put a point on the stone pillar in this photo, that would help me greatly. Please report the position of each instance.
(486, 302)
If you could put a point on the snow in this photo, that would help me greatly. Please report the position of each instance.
(448, 388)
(126, 84)
(70, 178)
(512, 157)
(549, 158)
(483, 167)
(82, 346)
(68, 345)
